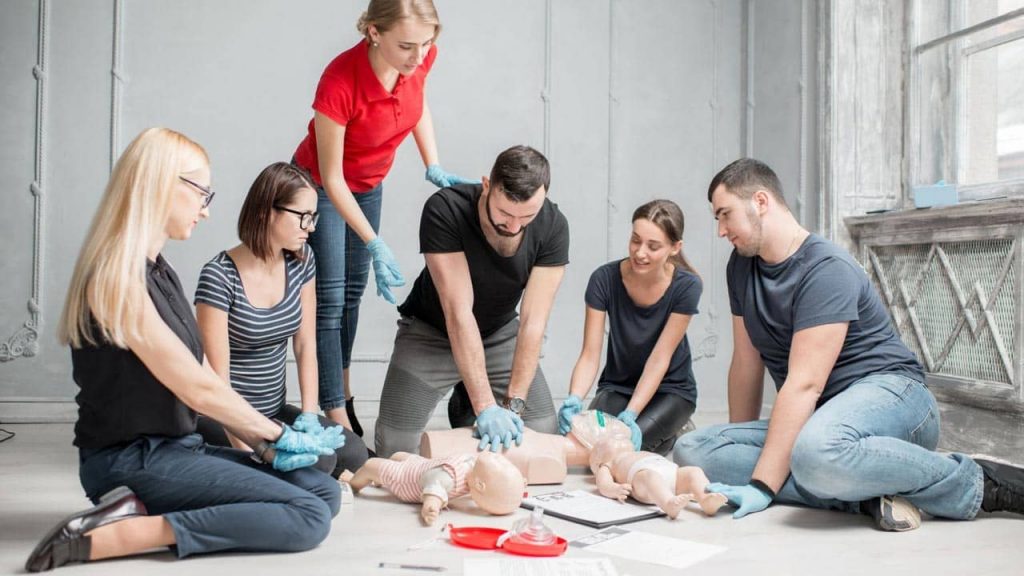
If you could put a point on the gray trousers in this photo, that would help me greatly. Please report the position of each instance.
(423, 370)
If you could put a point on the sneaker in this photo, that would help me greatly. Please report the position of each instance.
(1004, 487)
(892, 513)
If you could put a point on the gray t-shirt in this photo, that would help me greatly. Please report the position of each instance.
(634, 330)
(819, 284)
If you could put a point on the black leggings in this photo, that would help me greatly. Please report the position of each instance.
(660, 422)
(351, 456)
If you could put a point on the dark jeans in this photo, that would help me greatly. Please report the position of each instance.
(342, 270)
(351, 456)
(660, 422)
(216, 499)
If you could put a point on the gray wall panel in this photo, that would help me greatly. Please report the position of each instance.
(17, 143)
(643, 100)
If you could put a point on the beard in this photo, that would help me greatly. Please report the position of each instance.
(499, 228)
(753, 246)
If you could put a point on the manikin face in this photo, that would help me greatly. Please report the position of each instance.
(187, 200)
(495, 484)
(405, 45)
(509, 218)
(286, 232)
(649, 247)
(738, 221)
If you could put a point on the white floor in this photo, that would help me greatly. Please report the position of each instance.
(39, 485)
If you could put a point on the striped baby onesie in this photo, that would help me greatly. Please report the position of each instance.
(403, 478)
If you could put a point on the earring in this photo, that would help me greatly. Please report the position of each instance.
(375, 44)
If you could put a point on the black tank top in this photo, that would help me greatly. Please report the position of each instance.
(120, 399)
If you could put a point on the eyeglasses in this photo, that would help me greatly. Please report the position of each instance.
(206, 192)
(306, 219)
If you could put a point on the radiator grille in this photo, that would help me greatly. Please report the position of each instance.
(953, 304)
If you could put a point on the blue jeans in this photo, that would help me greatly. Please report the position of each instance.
(342, 270)
(216, 499)
(875, 438)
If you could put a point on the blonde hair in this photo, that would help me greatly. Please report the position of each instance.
(108, 286)
(384, 14)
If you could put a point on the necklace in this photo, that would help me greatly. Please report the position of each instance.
(789, 249)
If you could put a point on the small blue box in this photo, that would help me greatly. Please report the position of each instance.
(934, 195)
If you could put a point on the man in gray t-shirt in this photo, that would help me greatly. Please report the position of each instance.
(853, 427)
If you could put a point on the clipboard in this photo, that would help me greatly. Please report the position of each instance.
(589, 509)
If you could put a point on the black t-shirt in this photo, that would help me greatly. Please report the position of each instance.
(819, 284)
(633, 330)
(120, 399)
(451, 223)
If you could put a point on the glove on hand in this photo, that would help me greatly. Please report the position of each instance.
(438, 177)
(385, 269)
(572, 406)
(747, 499)
(628, 417)
(497, 426)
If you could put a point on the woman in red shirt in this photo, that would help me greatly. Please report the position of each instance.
(369, 99)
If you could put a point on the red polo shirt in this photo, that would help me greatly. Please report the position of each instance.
(375, 121)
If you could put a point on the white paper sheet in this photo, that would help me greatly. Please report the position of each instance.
(590, 508)
(504, 566)
(646, 547)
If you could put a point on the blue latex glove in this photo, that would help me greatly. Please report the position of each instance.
(385, 269)
(332, 437)
(438, 177)
(748, 499)
(497, 426)
(628, 417)
(285, 461)
(308, 422)
(572, 406)
(305, 443)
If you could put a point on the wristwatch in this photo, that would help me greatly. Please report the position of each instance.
(515, 404)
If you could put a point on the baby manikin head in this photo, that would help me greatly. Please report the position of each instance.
(495, 484)
(590, 426)
(607, 449)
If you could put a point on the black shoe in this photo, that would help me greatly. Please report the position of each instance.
(460, 408)
(350, 409)
(892, 513)
(1004, 487)
(66, 542)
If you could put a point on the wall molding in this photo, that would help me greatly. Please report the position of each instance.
(24, 343)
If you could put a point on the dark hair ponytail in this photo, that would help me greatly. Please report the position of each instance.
(666, 215)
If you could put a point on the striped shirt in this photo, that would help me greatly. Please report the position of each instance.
(258, 337)
(403, 478)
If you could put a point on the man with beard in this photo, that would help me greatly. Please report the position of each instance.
(486, 246)
(853, 427)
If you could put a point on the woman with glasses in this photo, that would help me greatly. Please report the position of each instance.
(255, 297)
(137, 357)
(369, 99)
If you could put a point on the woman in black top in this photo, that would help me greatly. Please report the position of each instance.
(648, 300)
(138, 360)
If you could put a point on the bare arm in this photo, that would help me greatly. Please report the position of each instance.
(304, 345)
(213, 327)
(587, 365)
(195, 384)
(658, 362)
(450, 272)
(746, 376)
(423, 133)
(330, 149)
(534, 311)
(811, 358)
